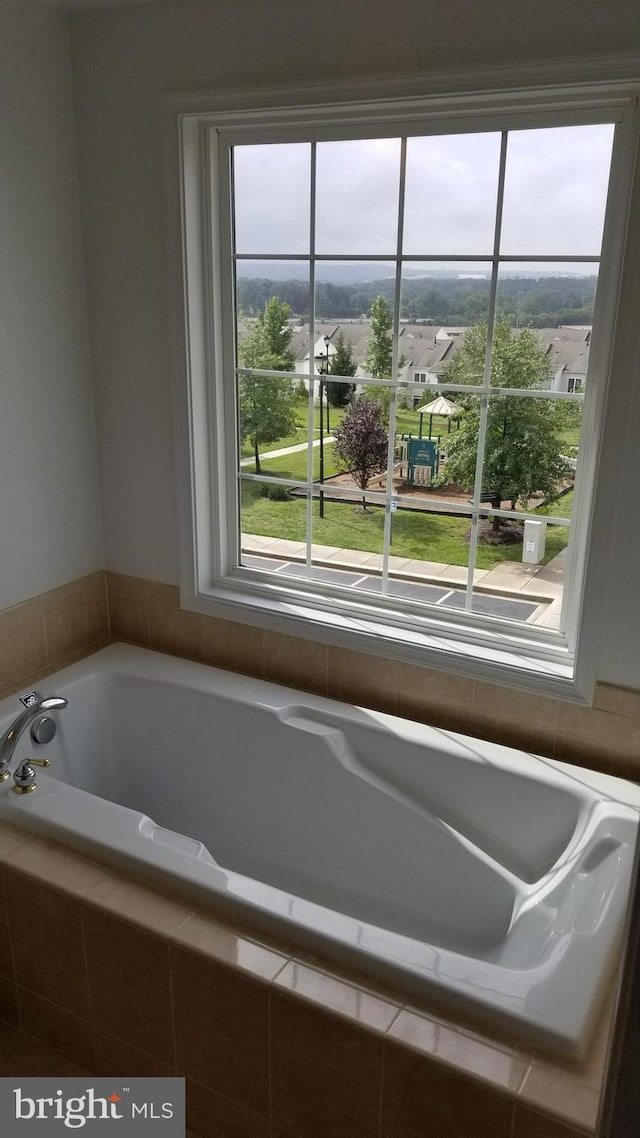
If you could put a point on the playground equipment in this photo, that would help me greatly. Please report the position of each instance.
(419, 458)
(440, 406)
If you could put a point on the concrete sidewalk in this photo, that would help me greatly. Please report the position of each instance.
(286, 450)
(541, 584)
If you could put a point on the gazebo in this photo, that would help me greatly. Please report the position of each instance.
(438, 406)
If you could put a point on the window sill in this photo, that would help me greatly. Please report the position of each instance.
(522, 665)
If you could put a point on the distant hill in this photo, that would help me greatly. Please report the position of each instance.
(358, 272)
(541, 301)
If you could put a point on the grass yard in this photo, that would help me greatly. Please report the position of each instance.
(407, 422)
(336, 415)
(427, 537)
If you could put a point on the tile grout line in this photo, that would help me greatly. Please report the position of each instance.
(172, 1009)
(270, 1054)
(11, 950)
(383, 1056)
(88, 982)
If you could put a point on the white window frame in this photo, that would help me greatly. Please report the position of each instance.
(201, 302)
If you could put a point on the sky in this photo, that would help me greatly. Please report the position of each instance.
(555, 192)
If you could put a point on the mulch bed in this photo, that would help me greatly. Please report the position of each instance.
(509, 533)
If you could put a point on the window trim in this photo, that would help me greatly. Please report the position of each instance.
(193, 202)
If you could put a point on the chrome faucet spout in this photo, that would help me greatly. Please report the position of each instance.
(9, 740)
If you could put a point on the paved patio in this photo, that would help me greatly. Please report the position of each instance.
(539, 585)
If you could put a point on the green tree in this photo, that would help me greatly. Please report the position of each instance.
(524, 445)
(361, 443)
(378, 360)
(266, 402)
(342, 363)
(379, 347)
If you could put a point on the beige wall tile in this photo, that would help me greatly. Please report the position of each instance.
(68, 1034)
(177, 632)
(359, 678)
(127, 901)
(9, 1010)
(113, 1057)
(331, 993)
(437, 698)
(295, 662)
(220, 943)
(19, 616)
(222, 1029)
(136, 587)
(530, 1124)
(167, 595)
(52, 864)
(129, 985)
(326, 1073)
(24, 1055)
(6, 961)
(211, 1115)
(22, 652)
(591, 737)
(75, 592)
(422, 1097)
(239, 647)
(71, 629)
(96, 585)
(101, 612)
(620, 701)
(11, 840)
(47, 942)
(129, 617)
(33, 679)
(514, 718)
(589, 1073)
(566, 1099)
(498, 1067)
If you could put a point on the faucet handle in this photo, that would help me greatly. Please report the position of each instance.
(24, 776)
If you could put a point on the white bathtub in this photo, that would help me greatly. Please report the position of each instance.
(467, 872)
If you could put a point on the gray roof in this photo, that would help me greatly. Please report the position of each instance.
(429, 348)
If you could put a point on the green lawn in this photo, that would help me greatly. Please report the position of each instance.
(428, 537)
(336, 415)
(407, 422)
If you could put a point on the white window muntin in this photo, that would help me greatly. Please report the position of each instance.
(224, 135)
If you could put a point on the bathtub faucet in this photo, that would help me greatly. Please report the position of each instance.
(36, 707)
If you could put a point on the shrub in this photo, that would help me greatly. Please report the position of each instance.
(277, 493)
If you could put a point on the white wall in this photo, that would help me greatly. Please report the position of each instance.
(50, 524)
(123, 60)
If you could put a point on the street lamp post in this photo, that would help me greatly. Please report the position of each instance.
(321, 408)
(327, 341)
(324, 370)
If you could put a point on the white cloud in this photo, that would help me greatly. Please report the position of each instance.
(555, 192)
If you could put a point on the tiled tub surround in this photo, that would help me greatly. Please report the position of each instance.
(124, 980)
(46, 632)
(49, 631)
(605, 737)
(426, 1074)
(476, 875)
